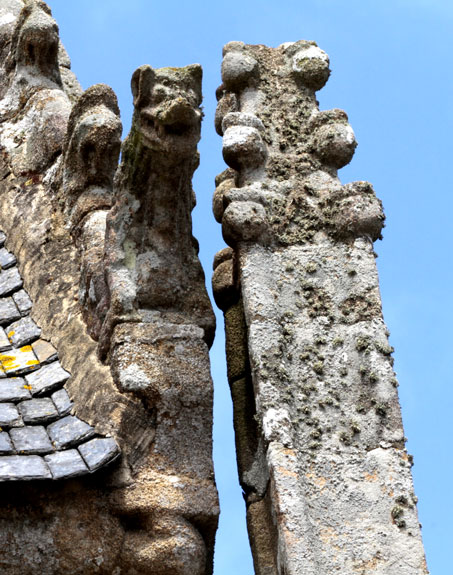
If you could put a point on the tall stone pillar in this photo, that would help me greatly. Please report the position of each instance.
(318, 424)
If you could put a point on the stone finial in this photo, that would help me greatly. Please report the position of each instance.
(151, 258)
(35, 42)
(319, 437)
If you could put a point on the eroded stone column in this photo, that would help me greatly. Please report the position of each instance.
(106, 254)
(318, 424)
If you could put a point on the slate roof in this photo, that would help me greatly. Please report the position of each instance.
(40, 438)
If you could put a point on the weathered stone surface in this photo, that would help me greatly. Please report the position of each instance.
(47, 378)
(69, 431)
(8, 311)
(44, 351)
(21, 467)
(19, 361)
(23, 332)
(6, 447)
(5, 344)
(10, 281)
(23, 301)
(98, 452)
(31, 440)
(316, 414)
(14, 389)
(9, 416)
(40, 410)
(7, 259)
(65, 464)
(62, 401)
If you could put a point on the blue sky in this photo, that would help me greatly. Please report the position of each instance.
(392, 63)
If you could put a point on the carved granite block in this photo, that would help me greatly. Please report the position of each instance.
(5, 344)
(40, 410)
(22, 467)
(19, 361)
(9, 416)
(8, 311)
(23, 332)
(98, 452)
(69, 431)
(62, 401)
(66, 464)
(6, 447)
(44, 351)
(47, 378)
(7, 259)
(14, 389)
(10, 281)
(31, 440)
(23, 301)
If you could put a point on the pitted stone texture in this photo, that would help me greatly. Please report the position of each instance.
(19, 361)
(31, 440)
(23, 332)
(4, 341)
(10, 281)
(23, 301)
(14, 389)
(98, 452)
(69, 431)
(7, 259)
(8, 311)
(316, 413)
(6, 446)
(66, 464)
(62, 401)
(38, 411)
(21, 467)
(47, 378)
(9, 416)
(44, 351)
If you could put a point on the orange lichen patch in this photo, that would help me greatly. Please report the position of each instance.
(317, 480)
(327, 534)
(287, 472)
(371, 476)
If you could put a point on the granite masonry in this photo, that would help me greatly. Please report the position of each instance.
(318, 427)
(105, 386)
(105, 323)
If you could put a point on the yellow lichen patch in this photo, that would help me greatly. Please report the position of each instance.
(27, 386)
(33, 362)
(10, 334)
(29, 182)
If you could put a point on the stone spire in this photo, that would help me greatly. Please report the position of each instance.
(318, 426)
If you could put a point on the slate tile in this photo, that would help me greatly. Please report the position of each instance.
(23, 332)
(9, 415)
(23, 301)
(40, 410)
(44, 351)
(7, 259)
(47, 378)
(8, 311)
(6, 446)
(62, 401)
(10, 281)
(4, 341)
(69, 431)
(33, 439)
(2, 238)
(19, 361)
(99, 452)
(65, 464)
(17, 467)
(13, 389)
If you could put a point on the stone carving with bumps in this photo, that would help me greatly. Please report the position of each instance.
(319, 436)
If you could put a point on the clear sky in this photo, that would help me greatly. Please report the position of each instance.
(392, 67)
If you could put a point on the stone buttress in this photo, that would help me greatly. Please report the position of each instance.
(319, 436)
(105, 389)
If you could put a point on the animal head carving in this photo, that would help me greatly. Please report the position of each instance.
(35, 42)
(167, 109)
